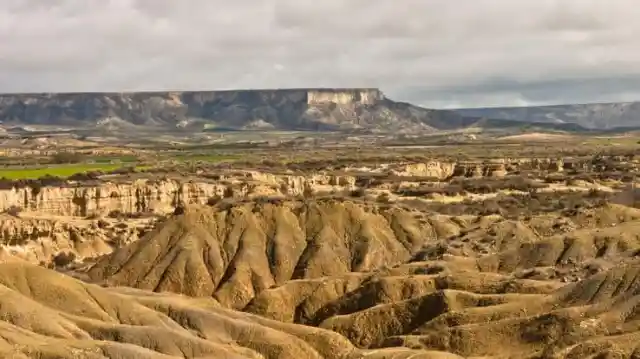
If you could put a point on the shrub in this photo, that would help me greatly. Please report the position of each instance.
(124, 170)
(359, 192)
(86, 176)
(308, 192)
(268, 200)
(63, 259)
(66, 157)
(383, 198)
(48, 180)
(212, 201)
(6, 183)
(228, 192)
(115, 214)
(14, 210)
(35, 189)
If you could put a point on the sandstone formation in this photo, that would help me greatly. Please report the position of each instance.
(42, 238)
(160, 196)
(471, 286)
(441, 258)
(234, 254)
(163, 195)
(49, 315)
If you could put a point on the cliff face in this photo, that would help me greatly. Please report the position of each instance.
(344, 97)
(159, 196)
(292, 109)
(145, 196)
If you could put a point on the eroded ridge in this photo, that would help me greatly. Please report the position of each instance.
(432, 259)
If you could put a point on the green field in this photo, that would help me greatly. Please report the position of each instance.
(106, 164)
(202, 157)
(55, 170)
(114, 159)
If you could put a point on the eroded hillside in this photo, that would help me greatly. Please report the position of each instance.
(440, 258)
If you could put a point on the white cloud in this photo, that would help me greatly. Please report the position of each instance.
(439, 53)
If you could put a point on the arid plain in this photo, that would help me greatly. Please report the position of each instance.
(522, 246)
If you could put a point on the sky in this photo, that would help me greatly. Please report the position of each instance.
(435, 53)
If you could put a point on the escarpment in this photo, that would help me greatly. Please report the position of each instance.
(162, 196)
(285, 109)
(60, 241)
(159, 196)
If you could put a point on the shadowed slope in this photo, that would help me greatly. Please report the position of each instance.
(44, 314)
(281, 109)
(382, 277)
(235, 253)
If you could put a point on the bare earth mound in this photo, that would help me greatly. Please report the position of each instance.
(49, 315)
(385, 277)
(232, 254)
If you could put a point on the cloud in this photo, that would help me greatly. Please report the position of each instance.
(439, 53)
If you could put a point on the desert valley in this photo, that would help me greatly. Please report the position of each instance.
(311, 224)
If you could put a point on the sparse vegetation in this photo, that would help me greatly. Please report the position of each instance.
(375, 246)
(56, 171)
(64, 157)
(63, 259)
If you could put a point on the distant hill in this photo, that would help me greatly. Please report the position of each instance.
(313, 109)
(604, 116)
(287, 109)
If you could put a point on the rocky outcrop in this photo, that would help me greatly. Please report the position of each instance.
(161, 197)
(290, 109)
(443, 170)
(40, 239)
(265, 245)
(497, 168)
(344, 97)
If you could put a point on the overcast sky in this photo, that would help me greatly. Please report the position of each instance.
(437, 53)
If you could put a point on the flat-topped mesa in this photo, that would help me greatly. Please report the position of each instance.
(334, 109)
(344, 96)
(310, 96)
